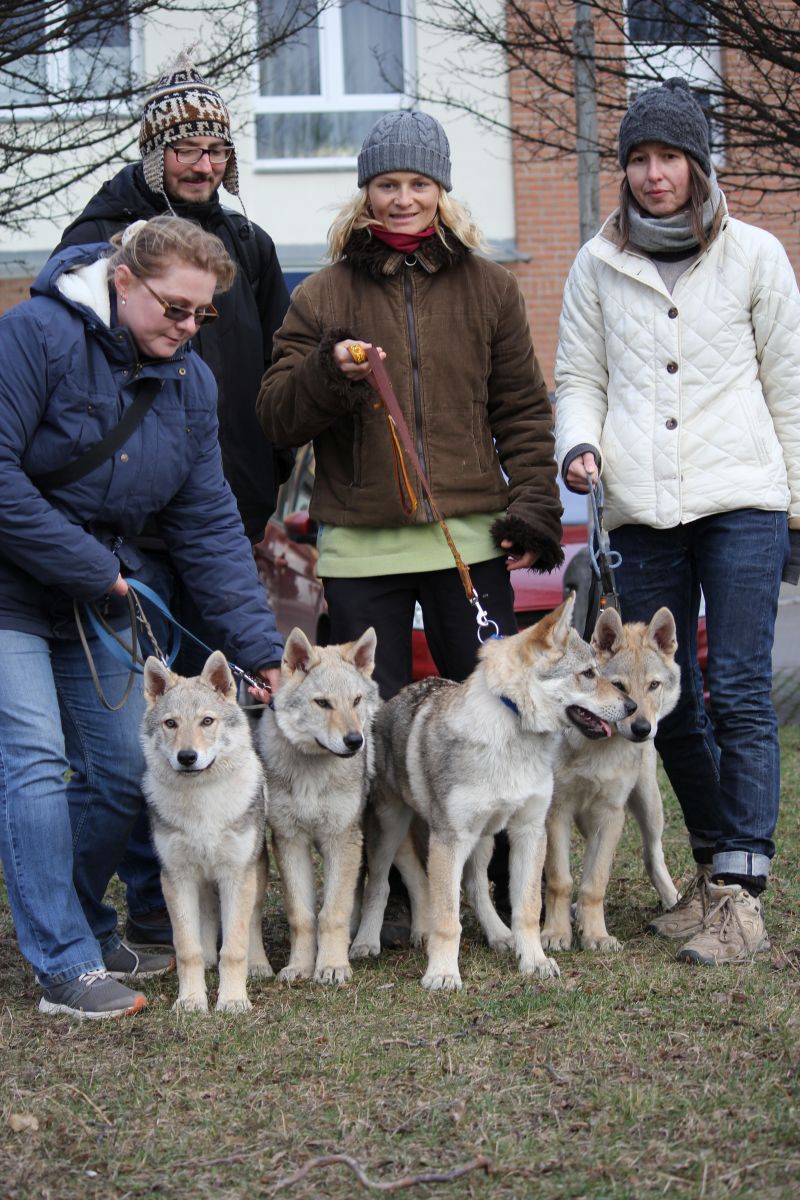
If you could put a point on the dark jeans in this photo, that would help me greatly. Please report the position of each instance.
(726, 770)
(140, 870)
(387, 603)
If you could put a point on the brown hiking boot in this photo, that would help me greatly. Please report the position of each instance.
(686, 917)
(733, 928)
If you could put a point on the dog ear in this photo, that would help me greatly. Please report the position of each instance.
(607, 632)
(299, 654)
(217, 674)
(362, 653)
(158, 679)
(661, 632)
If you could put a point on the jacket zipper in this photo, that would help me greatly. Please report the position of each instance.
(408, 291)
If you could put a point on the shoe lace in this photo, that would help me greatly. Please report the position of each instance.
(723, 912)
(698, 884)
(92, 977)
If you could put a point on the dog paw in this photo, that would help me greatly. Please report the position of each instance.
(418, 938)
(503, 943)
(260, 970)
(333, 974)
(190, 1004)
(365, 949)
(541, 968)
(435, 982)
(553, 940)
(292, 974)
(602, 945)
(234, 1004)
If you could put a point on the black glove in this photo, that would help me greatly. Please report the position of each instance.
(791, 572)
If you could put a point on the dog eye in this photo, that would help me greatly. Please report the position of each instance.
(619, 685)
(589, 673)
(171, 723)
(323, 703)
(356, 701)
(655, 685)
(207, 721)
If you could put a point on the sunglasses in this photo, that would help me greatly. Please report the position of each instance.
(192, 154)
(174, 312)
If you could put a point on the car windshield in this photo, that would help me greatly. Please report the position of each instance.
(576, 507)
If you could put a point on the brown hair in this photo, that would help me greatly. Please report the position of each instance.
(451, 216)
(148, 247)
(699, 191)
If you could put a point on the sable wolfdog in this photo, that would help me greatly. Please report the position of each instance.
(316, 746)
(205, 789)
(594, 780)
(472, 759)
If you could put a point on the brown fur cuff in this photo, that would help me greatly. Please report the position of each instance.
(352, 393)
(524, 537)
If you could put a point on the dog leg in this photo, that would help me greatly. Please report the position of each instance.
(557, 931)
(413, 874)
(257, 962)
(210, 923)
(342, 861)
(602, 827)
(528, 844)
(237, 896)
(386, 826)
(183, 904)
(299, 896)
(445, 867)
(476, 886)
(646, 805)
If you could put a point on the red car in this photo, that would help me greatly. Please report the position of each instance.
(287, 559)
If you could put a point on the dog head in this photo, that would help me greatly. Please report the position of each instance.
(550, 674)
(192, 722)
(639, 659)
(327, 698)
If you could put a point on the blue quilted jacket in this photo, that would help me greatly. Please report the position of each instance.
(68, 374)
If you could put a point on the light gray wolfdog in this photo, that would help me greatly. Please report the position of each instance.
(472, 759)
(316, 746)
(596, 779)
(205, 790)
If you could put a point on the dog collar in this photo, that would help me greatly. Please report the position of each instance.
(509, 704)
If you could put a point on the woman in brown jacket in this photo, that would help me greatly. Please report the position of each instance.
(453, 331)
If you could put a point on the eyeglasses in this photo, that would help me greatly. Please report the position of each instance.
(174, 312)
(192, 154)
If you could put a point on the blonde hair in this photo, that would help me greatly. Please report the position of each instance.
(451, 217)
(148, 247)
(699, 191)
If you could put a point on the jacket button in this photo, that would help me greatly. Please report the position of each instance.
(123, 458)
(672, 367)
(672, 314)
(181, 370)
(671, 423)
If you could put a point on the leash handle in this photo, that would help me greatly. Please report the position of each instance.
(604, 560)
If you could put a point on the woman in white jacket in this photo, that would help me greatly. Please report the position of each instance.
(678, 377)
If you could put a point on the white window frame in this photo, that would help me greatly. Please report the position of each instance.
(332, 96)
(57, 66)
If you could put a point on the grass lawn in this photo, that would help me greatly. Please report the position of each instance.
(631, 1076)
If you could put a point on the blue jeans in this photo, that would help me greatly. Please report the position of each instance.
(60, 841)
(726, 770)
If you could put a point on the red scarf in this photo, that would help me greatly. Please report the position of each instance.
(406, 243)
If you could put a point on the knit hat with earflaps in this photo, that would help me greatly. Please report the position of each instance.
(183, 105)
(406, 141)
(668, 114)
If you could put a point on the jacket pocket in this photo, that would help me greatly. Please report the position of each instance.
(759, 423)
(482, 436)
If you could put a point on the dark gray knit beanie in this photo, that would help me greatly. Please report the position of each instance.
(406, 141)
(668, 114)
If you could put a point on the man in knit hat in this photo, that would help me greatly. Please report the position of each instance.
(186, 154)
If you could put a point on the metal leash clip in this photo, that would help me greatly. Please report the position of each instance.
(485, 622)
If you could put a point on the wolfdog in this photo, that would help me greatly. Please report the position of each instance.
(472, 759)
(316, 746)
(595, 780)
(205, 788)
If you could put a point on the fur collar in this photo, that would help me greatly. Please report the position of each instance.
(372, 257)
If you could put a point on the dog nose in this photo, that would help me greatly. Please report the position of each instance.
(630, 706)
(187, 758)
(353, 741)
(640, 728)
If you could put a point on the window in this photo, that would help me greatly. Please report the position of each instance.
(321, 92)
(667, 22)
(70, 52)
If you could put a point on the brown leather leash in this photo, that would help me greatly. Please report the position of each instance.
(402, 441)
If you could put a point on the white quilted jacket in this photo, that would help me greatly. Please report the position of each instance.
(692, 399)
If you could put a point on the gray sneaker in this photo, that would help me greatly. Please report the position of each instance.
(93, 995)
(686, 917)
(125, 963)
(732, 931)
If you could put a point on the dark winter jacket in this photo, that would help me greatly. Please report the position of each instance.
(459, 354)
(237, 346)
(67, 378)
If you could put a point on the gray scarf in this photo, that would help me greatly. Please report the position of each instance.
(657, 234)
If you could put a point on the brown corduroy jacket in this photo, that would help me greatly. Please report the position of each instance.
(459, 355)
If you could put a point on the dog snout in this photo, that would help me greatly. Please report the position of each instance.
(640, 728)
(187, 758)
(353, 741)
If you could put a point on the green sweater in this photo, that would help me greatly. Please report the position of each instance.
(354, 552)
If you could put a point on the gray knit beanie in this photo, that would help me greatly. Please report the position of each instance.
(406, 141)
(668, 114)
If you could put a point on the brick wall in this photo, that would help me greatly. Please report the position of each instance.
(12, 291)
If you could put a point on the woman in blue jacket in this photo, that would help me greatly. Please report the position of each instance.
(101, 327)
